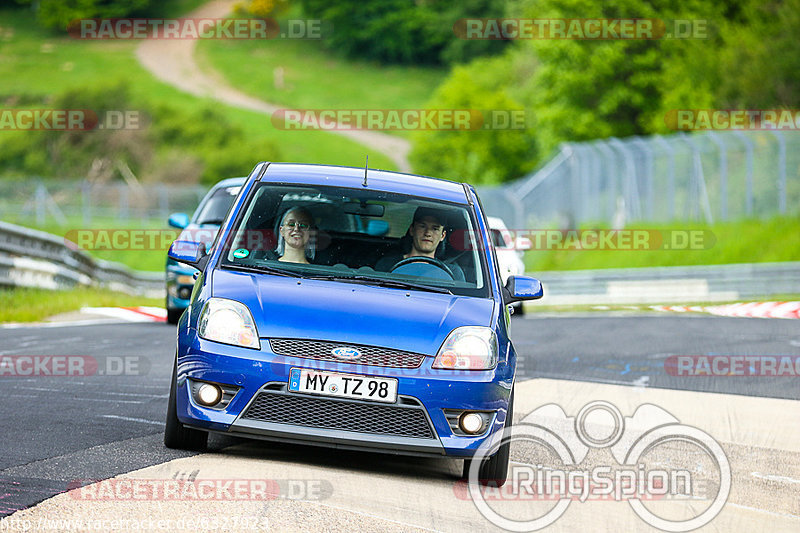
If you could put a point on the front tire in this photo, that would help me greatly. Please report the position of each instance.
(495, 468)
(176, 436)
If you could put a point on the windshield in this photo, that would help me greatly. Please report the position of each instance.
(215, 208)
(358, 236)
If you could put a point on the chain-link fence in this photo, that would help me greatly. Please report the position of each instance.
(708, 176)
(68, 202)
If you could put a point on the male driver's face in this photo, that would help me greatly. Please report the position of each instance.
(426, 233)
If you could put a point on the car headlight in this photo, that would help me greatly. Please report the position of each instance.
(229, 322)
(468, 348)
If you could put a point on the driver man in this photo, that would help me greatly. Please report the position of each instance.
(426, 232)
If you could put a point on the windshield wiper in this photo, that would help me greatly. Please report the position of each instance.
(383, 282)
(262, 270)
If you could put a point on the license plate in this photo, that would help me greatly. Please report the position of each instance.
(343, 385)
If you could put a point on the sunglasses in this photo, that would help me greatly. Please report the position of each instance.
(295, 224)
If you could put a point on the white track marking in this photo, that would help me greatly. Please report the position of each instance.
(771, 477)
(131, 419)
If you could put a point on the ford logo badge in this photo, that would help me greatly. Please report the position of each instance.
(345, 353)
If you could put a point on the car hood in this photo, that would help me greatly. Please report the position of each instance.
(413, 321)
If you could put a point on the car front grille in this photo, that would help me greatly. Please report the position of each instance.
(408, 420)
(370, 355)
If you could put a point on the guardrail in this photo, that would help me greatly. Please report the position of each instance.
(684, 284)
(32, 258)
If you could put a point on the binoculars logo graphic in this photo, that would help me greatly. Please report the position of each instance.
(598, 425)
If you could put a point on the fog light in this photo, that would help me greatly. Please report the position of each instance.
(184, 293)
(209, 394)
(471, 423)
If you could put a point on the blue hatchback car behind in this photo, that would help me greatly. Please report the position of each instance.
(202, 227)
(348, 308)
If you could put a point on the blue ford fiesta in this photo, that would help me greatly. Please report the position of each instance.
(352, 308)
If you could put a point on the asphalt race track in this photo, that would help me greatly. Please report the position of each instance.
(61, 432)
(631, 350)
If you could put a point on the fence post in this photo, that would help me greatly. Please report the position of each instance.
(670, 151)
(163, 201)
(590, 181)
(608, 155)
(86, 202)
(573, 202)
(535, 180)
(123, 201)
(723, 173)
(632, 200)
(699, 178)
(40, 203)
(748, 146)
(781, 170)
(648, 175)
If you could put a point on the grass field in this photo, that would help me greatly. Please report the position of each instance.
(30, 305)
(316, 79)
(746, 241)
(36, 64)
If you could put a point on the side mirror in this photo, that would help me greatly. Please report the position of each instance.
(178, 220)
(189, 253)
(519, 288)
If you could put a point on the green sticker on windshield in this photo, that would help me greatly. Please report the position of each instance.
(241, 253)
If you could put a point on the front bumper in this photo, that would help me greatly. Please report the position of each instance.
(422, 391)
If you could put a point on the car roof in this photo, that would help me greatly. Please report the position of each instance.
(353, 177)
(496, 222)
(229, 182)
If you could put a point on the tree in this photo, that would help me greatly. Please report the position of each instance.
(478, 155)
(58, 14)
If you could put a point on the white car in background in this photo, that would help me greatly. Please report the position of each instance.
(509, 252)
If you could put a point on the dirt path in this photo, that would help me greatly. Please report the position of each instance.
(173, 62)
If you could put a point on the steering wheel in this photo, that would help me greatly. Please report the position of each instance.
(424, 259)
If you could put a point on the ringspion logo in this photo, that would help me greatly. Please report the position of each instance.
(657, 458)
